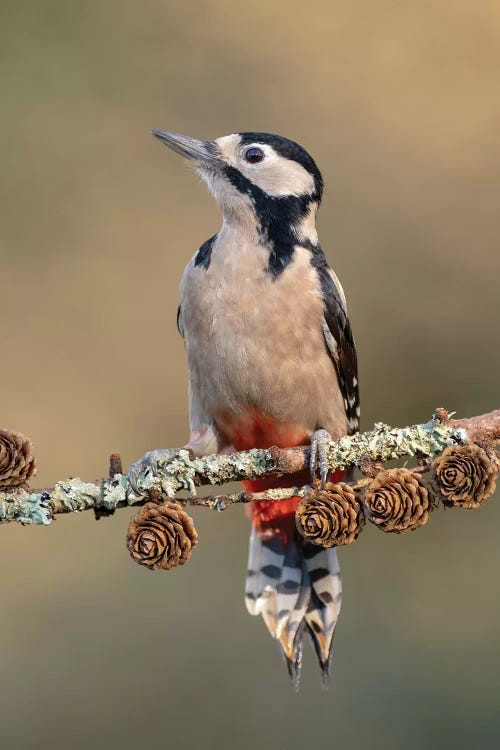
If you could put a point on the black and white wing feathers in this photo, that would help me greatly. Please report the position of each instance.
(338, 338)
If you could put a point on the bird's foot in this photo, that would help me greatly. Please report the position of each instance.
(148, 463)
(318, 459)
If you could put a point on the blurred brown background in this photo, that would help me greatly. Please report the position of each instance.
(399, 103)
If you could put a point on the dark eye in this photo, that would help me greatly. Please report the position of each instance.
(254, 155)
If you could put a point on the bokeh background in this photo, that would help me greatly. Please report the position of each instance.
(398, 102)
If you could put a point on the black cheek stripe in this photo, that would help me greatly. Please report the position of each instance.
(278, 217)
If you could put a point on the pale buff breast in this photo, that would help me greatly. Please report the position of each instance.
(256, 341)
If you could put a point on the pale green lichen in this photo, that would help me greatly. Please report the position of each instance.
(25, 507)
(282, 493)
(73, 495)
(220, 469)
(178, 471)
(385, 443)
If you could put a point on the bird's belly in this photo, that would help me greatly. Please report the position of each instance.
(262, 382)
(256, 351)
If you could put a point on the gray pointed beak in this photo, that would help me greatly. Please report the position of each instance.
(190, 148)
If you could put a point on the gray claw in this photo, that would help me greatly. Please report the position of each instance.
(318, 459)
(147, 463)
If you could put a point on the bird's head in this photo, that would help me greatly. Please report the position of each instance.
(257, 175)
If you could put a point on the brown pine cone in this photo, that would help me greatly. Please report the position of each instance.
(330, 517)
(398, 501)
(161, 536)
(17, 463)
(464, 475)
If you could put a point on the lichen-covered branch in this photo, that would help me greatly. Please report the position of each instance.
(179, 471)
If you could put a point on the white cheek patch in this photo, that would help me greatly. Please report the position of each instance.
(276, 175)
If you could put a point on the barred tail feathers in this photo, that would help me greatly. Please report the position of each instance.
(295, 586)
(325, 602)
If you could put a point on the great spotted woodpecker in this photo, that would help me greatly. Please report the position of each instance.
(271, 361)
